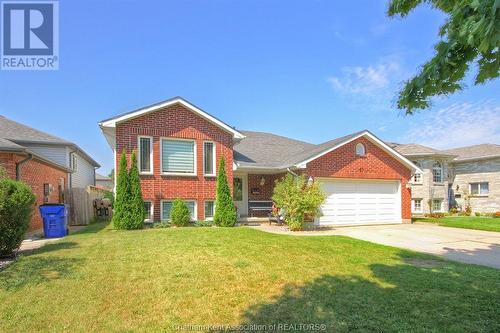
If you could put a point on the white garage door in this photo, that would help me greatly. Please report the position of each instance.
(351, 202)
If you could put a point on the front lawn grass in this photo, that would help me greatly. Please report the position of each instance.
(466, 222)
(152, 280)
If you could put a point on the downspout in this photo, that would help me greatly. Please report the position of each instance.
(293, 173)
(19, 164)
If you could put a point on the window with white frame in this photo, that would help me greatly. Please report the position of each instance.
(417, 177)
(148, 211)
(437, 205)
(145, 159)
(209, 158)
(417, 205)
(437, 172)
(360, 149)
(209, 209)
(178, 157)
(166, 207)
(482, 188)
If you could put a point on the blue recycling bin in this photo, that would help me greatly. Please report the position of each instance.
(55, 220)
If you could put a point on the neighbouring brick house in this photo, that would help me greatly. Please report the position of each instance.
(178, 145)
(48, 164)
(460, 177)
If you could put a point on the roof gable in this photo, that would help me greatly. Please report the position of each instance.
(330, 146)
(111, 122)
(269, 151)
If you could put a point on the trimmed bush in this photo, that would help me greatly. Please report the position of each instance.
(135, 217)
(298, 199)
(225, 212)
(180, 214)
(203, 223)
(122, 194)
(435, 215)
(16, 207)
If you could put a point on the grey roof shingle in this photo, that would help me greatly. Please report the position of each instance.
(410, 149)
(475, 152)
(17, 134)
(9, 145)
(266, 150)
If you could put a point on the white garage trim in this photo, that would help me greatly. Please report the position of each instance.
(360, 202)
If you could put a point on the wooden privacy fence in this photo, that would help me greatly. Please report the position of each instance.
(81, 203)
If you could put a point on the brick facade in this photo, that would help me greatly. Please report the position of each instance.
(377, 164)
(261, 192)
(176, 121)
(36, 173)
(344, 163)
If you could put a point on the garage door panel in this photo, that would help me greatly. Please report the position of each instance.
(360, 202)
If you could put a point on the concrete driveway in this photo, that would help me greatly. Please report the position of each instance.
(464, 245)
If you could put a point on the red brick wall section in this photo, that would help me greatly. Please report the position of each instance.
(265, 192)
(35, 173)
(179, 122)
(7, 162)
(377, 164)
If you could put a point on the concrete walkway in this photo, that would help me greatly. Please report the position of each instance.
(464, 245)
(32, 243)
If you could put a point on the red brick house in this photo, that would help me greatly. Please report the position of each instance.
(46, 178)
(48, 164)
(178, 145)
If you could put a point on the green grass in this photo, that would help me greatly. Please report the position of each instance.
(151, 280)
(466, 222)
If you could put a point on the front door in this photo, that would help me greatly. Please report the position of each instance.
(240, 194)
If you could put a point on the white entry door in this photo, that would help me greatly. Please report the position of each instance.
(359, 202)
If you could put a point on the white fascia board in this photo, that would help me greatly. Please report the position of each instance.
(110, 135)
(112, 122)
(372, 138)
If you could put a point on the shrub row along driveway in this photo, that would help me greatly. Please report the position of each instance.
(106, 280)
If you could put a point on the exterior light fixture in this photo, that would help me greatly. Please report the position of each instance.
(262, 181)
(310, 181)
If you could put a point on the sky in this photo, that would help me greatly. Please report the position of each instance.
(310, 70)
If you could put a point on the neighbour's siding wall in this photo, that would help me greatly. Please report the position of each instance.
(35, 173)
(465, 173)
(377, 164)
(84, 174)
(58, 154)
(428, 190)
(178, 122)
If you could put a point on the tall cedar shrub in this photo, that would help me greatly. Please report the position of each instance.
(16, 207)
(122, 194)
(180, 214)
(135, 216)
(225, 212)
